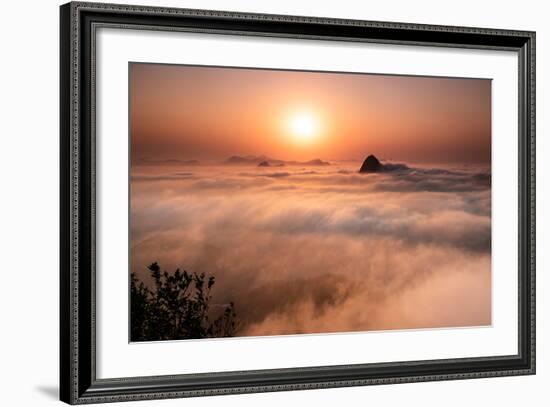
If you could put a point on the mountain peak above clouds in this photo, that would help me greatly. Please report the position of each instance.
(371, 164)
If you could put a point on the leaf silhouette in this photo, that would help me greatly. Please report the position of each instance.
(177, 307)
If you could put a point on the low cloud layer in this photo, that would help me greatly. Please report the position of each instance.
(324, 250)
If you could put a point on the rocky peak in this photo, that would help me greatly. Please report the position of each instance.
(371, 164)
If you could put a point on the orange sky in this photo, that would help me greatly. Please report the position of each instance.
(210, 113)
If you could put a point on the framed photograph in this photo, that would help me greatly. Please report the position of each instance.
(254, 203)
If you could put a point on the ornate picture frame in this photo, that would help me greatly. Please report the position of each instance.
(79, 381)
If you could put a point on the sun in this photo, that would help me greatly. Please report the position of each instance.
(303, 126)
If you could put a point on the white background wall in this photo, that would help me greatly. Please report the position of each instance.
(29, 163)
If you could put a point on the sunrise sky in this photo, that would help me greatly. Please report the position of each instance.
(210, 113)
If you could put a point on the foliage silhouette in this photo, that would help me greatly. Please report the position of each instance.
(178, 307)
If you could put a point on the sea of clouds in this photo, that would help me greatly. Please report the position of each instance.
(323, 249)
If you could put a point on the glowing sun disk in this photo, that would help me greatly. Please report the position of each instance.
(303, 126)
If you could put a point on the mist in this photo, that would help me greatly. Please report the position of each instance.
(323, 249)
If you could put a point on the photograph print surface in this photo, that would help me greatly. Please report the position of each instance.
(278, 202)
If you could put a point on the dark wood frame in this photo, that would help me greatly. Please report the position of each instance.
(78, 382)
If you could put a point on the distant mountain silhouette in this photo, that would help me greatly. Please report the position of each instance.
(182, 162)
(311, 162)
(168, 161)
(249, 159)
(371, 164)
(272, 162)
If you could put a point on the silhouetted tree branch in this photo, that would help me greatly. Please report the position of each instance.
(178, 307)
